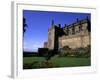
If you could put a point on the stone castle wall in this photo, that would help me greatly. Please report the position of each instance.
(51, 38)
(74, 41)
(75, 35)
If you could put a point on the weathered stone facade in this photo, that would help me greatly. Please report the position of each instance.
(76, 41)
(45, 44)
(75, 35)
(53, 34)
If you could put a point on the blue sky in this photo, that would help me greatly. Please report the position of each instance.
(38, 23)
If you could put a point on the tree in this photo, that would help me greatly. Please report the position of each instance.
(24, 25)
(49, 54)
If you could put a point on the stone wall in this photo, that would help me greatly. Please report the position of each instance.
(75, 35)
(45, 44)
(51, 38)
(75, 41)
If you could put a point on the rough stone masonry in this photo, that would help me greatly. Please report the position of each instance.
(75, 35)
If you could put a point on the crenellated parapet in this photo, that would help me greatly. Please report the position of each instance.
(77, 27)
(73, 35)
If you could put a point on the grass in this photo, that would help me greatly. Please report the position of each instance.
(32, 59)
(70, 61)
(35, 62)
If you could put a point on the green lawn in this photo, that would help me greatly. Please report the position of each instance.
(32, 59)
(38, 62)
(70, 62)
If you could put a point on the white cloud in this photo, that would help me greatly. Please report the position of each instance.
(31, 46)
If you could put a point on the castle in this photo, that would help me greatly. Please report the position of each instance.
(75, 35)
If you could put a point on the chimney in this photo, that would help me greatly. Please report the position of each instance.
(59, 25)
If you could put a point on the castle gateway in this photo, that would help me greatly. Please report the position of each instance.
(75, 35)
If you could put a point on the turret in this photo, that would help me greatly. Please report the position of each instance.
(52, 23)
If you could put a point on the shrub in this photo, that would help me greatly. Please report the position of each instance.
(31, 65)
(49, 54)
(77, 52)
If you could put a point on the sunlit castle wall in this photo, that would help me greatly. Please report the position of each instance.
(51, 38)
(76, 35)
(45, 44)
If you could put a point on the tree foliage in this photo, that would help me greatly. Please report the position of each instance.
(24, 25)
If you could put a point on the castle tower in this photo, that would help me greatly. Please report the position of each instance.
(51, 37)
(79, 34)
(53, 23)
(53, 34)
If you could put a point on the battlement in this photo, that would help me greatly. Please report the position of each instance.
(73, 35)
(77, 27)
